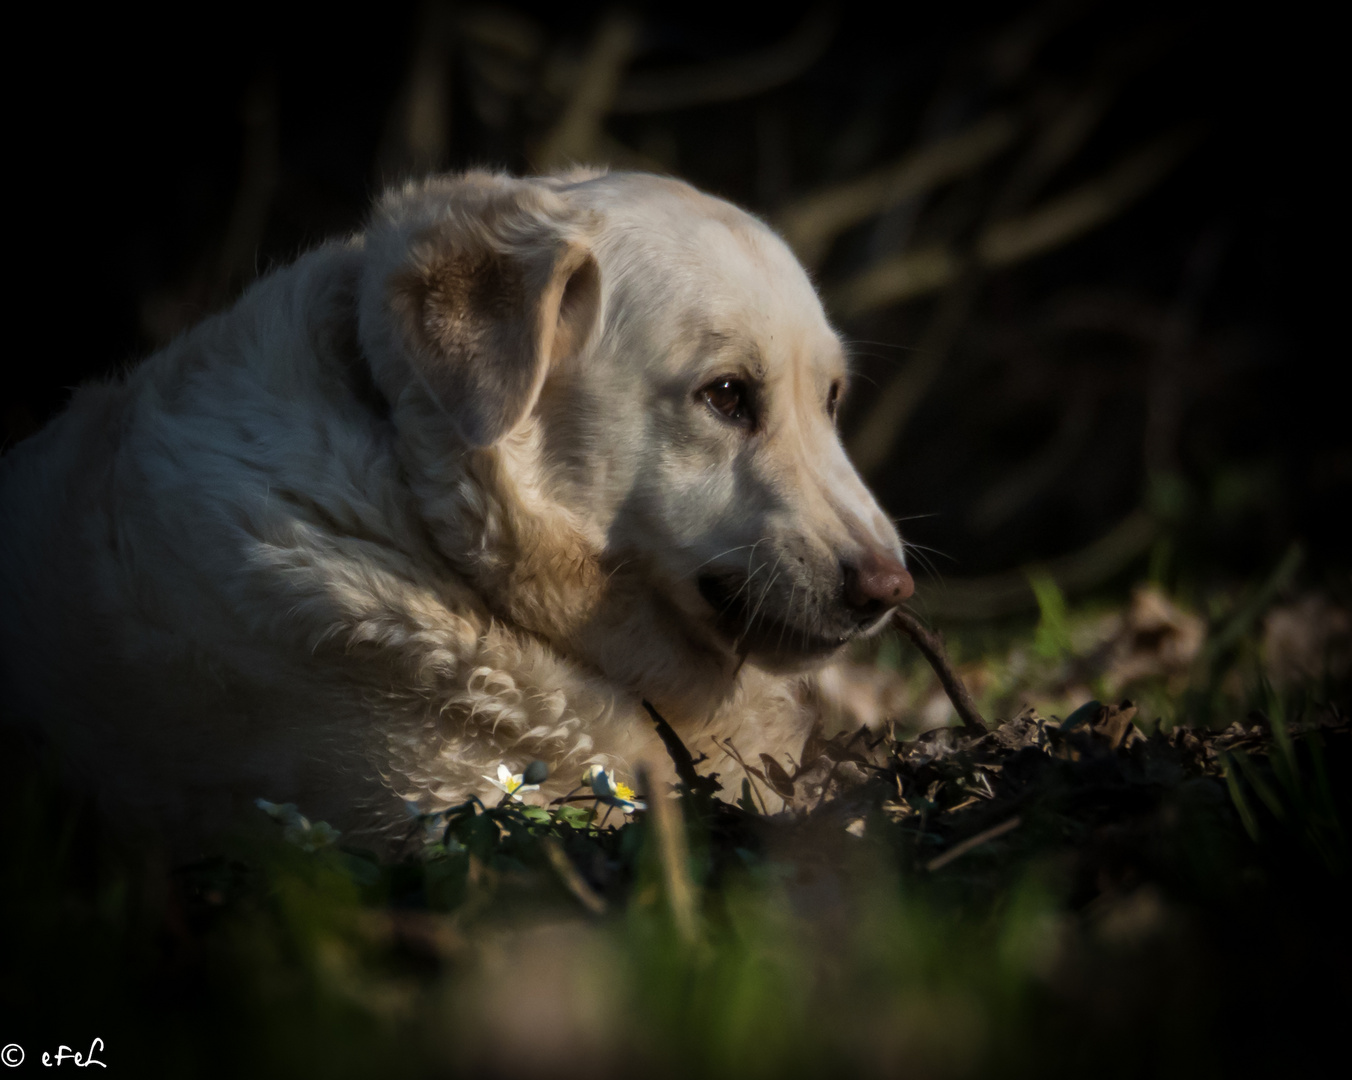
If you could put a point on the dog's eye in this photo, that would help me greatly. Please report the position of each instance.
(730, 398)
(832, 400)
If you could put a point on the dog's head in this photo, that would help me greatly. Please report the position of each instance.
(650, 373)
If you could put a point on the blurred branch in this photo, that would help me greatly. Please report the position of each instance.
(576, 134)
(815, 220)
(732, 78)
(872, 442)
(1025, 482)
(1008, 55)
(1166, 399)
(417, 133)
(505, 32)
(1056, 223)
(1106, 311)
(812, 222)
(1010, 593)
(610, 151)
(1069, 216)
(1008, 235)
(216, 279)
(1073, 118)
(596, 84)
(892, 280)
(257, 187)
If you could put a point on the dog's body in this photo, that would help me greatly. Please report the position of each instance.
(461, 491)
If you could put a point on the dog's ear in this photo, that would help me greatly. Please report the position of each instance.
(488, 297)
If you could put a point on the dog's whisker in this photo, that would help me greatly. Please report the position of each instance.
(910, 545)
(764, 593)
(913, 517)
(754, 546)
(851, 342)
(774, 576)
(928, 563)
(784, 624)
(714, 558)
(617, 568)
(752, 554)
(920, 554)
(744, 587)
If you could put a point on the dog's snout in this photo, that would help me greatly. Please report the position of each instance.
(876, 581)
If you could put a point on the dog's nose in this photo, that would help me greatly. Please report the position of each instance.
(876, 581)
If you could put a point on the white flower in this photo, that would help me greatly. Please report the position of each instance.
(613, 792)
(512, 784)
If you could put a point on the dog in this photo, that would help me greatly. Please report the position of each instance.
(463, 490)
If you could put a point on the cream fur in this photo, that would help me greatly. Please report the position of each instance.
(435, 498)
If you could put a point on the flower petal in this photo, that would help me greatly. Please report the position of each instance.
(601, 784)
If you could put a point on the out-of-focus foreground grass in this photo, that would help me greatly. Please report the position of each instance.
(1173, 902)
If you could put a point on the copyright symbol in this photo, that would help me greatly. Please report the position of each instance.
(12, 1055)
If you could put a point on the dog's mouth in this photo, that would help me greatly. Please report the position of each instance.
(754, 629)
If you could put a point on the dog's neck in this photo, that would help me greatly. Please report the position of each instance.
(493, 516)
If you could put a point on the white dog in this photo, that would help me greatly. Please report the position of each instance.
(461, 491)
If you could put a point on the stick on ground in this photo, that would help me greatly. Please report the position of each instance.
(959, 850)
(933, 649)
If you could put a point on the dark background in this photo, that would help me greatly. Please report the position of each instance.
(1180, 356)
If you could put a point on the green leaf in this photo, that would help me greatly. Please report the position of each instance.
(576, 816)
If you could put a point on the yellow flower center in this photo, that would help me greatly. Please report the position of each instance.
(624, 791)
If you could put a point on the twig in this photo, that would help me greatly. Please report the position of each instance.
(959, 850)
(933, 649)
(680, 756)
